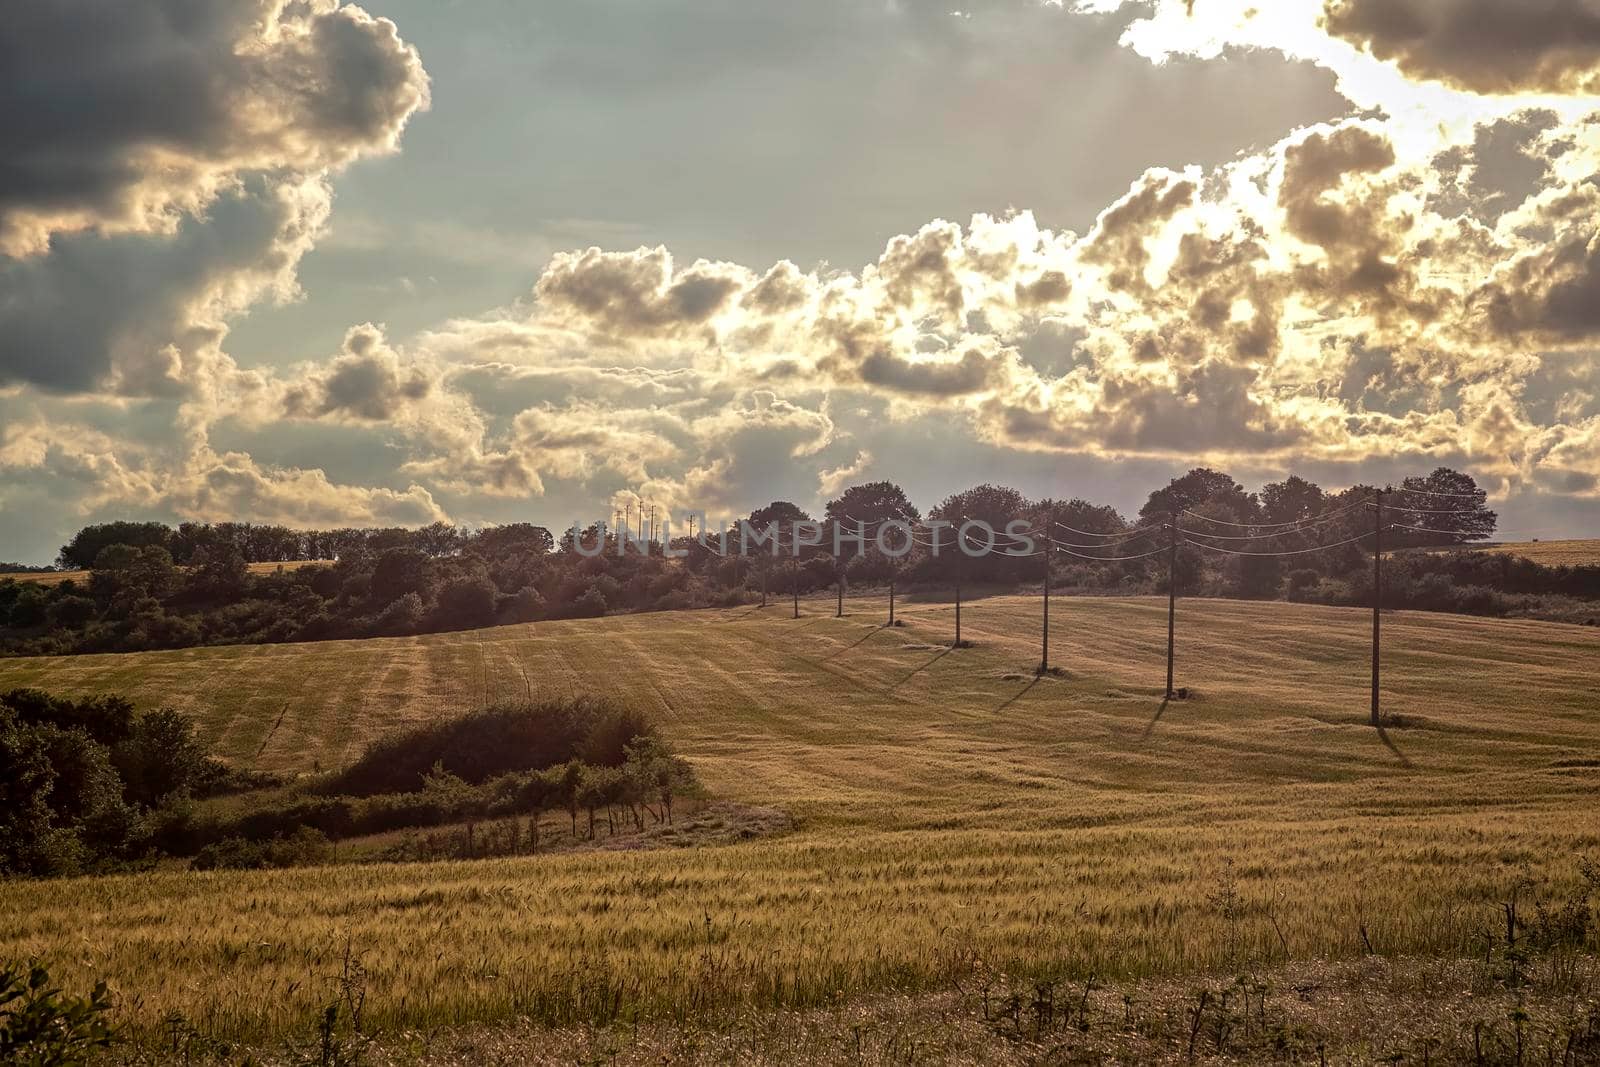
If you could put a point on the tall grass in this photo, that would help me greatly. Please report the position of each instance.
(956, 814)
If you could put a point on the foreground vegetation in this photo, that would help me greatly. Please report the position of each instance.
(954, 812)
(88, 786)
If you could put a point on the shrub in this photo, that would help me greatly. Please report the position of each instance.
(40, 1024)
(489, 742)
(403, 616)
(302, 847)
(467, 603)
(162, 757)
(591, 605)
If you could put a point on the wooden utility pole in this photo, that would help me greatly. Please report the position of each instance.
(1044, 655)
(892, 572)
(1172, 599)
(794, 585)
(839, 612)
(958, 592)
(1377, 602)
(764, 568)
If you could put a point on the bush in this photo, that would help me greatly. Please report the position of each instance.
(403, 616)
(303, 847)
(467, 603)
(39, 1024)
(161, 758)
(1301, 581)
(493, 741)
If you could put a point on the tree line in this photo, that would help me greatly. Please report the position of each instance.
(154, 586)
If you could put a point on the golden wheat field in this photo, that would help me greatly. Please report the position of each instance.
(1551, 553)
(57, 577)
(953, 810)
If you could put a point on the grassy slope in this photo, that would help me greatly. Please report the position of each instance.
(950, 805)
(57, 577)
(1548, 553)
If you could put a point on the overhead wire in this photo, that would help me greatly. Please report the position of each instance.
(1113, 559)
(1297, 552)
(1325, 517)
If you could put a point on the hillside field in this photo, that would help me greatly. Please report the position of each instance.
(954, 812)
(1550, 553)
(57, 577)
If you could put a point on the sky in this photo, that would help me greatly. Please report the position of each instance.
(483, 261)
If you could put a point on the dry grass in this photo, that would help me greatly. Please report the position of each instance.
(57, 577)
(950, 809)
(1549, 553)
(1372, 1010)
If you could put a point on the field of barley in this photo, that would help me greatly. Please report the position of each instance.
(953, 811)
(57, 577)
(1551, 553)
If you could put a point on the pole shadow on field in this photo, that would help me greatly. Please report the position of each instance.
(1383, 735)
(869, 636)
(1151, 725)
(1022, 693)
(920, 669)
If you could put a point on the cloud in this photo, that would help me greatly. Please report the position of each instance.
(1483, 46)
(127, 118)
(620, 296)
(145, 313)
(831, 483)
(367, 381)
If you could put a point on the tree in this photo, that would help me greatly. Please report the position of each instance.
(161, 759)
(868, 506)
(219, 570)
(779, 511)
(467, 603)
(1201, 487)
(399, 571)
(498, 540)
(87, 543)
(1446, 501)
(1292, 500)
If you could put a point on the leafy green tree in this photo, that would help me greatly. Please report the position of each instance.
(86, 545)
(1447, 502)
(1201, 487)
(871, 504)
(161, 759)
(467, 603)
(1292, 500)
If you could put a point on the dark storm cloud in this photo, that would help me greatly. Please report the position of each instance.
(119, 115)
(138, 312)
(1485, 46)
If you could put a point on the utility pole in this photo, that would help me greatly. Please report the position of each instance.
(1172, 598)
(959, 568)
(1377, 602)
(839, 612)
(892, 571)
(1044, 656)
(765, 567)
(794, 585)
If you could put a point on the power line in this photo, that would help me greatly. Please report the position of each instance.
(1298, 523)
(1299, 552)
(1109, 559)
(1479, 495)
(1120, 533)
(1424, 529)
